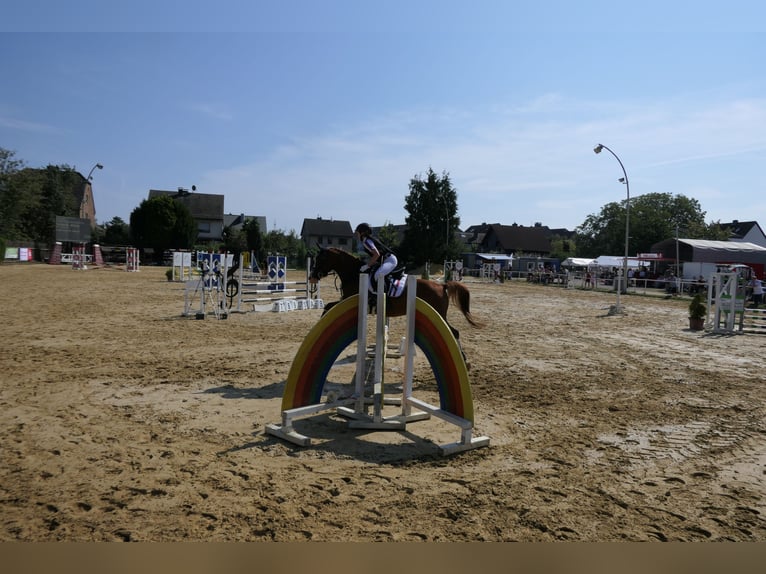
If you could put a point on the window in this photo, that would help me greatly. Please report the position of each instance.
(203, 226)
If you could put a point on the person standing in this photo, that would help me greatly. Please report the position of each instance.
(757, 286)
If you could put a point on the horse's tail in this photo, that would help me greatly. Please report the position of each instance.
(461, 296)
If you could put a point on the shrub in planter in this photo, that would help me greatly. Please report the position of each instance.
(697, 313)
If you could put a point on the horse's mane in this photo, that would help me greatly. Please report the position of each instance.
(342, 253)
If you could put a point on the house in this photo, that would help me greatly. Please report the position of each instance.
(236, 222)
(748, 231)
(516, 240)
(327, 233)
(206, 209)
(83, 196)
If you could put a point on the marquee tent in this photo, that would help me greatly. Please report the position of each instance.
(614, 261)
(707, 251)
(578, 262)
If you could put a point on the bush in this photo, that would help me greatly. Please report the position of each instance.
(697, 309)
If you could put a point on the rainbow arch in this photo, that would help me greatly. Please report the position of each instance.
(338, 329)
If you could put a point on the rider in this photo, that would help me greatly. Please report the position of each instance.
(380, 255)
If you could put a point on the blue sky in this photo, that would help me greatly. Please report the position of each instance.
(329, 108)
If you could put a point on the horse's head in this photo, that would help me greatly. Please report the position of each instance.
(322, 265)
(330, 259)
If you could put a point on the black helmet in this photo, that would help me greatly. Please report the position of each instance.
(363, 229)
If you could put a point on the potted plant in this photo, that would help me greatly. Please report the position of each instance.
(697, 313)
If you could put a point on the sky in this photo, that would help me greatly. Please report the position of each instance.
(328, 108)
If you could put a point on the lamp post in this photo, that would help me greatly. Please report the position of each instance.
(90, 175)
(617, 309)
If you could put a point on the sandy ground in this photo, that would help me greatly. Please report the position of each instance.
(122, 420)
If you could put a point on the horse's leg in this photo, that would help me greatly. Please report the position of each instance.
(329, 306)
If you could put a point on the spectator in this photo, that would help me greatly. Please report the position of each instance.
(757, 286)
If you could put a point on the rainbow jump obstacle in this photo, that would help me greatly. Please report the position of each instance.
(346, 322)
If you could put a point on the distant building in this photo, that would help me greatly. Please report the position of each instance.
(327, 233)
(83, 196)
(515, 240)
(205, 208)
(747, 231)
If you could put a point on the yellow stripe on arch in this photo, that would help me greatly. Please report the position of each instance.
(444, 355)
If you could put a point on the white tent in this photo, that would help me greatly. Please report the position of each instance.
(578, 262)
(615, 261)
(497, 257)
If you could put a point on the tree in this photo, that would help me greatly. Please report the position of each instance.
(161, 223)
(8, 165)
(30, 199)
(9, 193)
(653, 218)
(276, 242)
(389, 236)
(432, 219)
(116, 232)
(253, 236)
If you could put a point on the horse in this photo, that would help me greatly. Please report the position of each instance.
(348, 268)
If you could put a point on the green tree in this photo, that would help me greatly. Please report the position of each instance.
(253, 236)
(10, 197)
(30, 199)
(389, 236)
(653, 218)
(562, 247)
(432, 220)
(277, 242)
(117, 232)
(161, 223)
(9, 165)
(234, 240)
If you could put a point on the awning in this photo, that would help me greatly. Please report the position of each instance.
(495, 256)
(615, 261)
(578, 262)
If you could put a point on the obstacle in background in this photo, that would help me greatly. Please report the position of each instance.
(453, 271)
(250, 268)
(343, 324)
(277, 294)
(182, 265)
(78, 257)
(726, 299)
(754, 320)
(208, 289)
(132, 259)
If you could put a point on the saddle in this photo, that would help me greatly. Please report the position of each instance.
(394, 283)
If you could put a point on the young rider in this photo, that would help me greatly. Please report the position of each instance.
(380, 255)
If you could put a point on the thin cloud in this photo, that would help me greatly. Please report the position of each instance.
(25, 126)
(523, 167)
(211, 110)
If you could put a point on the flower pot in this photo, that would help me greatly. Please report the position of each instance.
(696, 324)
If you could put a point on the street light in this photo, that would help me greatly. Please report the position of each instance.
(90, 175)
(617, 309)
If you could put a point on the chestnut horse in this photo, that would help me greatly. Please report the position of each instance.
(438, 295)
